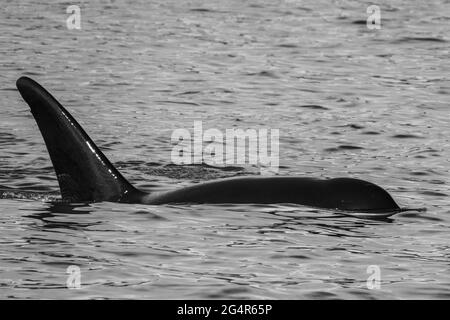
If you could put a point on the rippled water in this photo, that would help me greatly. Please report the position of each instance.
(348, 101)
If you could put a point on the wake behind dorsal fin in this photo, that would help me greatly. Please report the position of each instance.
(84, 173)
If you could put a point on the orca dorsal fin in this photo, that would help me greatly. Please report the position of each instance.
(83, 171)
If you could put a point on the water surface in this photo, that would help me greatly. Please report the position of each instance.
(349, 101)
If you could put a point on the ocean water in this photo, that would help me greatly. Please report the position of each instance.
(348, 101)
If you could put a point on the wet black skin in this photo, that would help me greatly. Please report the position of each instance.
(86, 175)
(340, 193)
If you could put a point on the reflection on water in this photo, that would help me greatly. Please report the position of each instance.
(348, 102)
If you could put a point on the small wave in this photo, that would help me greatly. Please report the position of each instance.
(343, 148)
(202, 10)
(434, 193)
(151, 215)
(321, 295)
(419, 173)
(312, 106)
(288, 45)
(406, 136)
(188, 92)
(353, 126)
(264, 73)
(360, 22)
(9, 139)
(178, 102)
(228, 293)
(419, 39)
(384, 55)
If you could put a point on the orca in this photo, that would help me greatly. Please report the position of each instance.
(85, 174)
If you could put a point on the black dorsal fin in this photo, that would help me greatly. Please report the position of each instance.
(84, 173)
